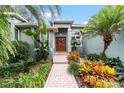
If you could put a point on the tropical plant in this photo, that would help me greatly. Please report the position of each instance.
(42, 47)
(112, 62)
(74, 44)
(97, 74)
(43, 50)
(22, 53)
(96, 82)
(35, 79)
(8, 83)
(73, 68)
(106, 23)
(6, 46)
(37, 12)
(73, 56)
(29, 80)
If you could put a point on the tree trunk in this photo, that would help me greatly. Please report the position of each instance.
(107, 41)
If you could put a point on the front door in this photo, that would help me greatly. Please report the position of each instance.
(61, 44)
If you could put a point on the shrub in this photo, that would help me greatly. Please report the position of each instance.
(73, 56)
(8, 70)
(22, 49)
(97, 74)
(93, 57)
(97, 68)
(15, 68)
(8, 83)
(94, 81)
(42, 52)
(73, 68)
(108, 61)
(28, 80)
(35, 80)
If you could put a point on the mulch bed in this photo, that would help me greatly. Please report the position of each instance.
(79, 82)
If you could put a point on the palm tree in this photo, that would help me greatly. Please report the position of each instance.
(6, 46)
(106, 23)
(36, 12)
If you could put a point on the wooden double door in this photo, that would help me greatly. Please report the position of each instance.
(60, 44)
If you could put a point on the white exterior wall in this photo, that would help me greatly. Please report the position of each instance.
(69, 39)
(116, 48)
(52, 42)
(12, 25)
(29, 40)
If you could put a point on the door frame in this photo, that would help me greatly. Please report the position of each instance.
(65, 43)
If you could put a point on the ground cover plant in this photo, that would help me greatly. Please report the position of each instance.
(95, 74)
(29, 80)
(112, 62)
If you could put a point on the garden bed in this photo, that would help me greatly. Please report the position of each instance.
(35, 78)
(96, 71)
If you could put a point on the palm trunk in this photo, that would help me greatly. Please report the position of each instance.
(107, 41)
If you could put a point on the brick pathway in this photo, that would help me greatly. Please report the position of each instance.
(60, 78)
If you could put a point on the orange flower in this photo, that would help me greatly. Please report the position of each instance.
(73, 56)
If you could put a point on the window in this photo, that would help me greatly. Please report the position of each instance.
(16, 34)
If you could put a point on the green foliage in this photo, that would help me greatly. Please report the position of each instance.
(112, 62)
(106, 23)
(6, 46)
(73, 68)
(93, 57)
(22, 53)
(108, 61)
(35, 80)
(42, 47)
(8, 83)
(10, 69)
(43, 51)
(45, 31)
(29, 80)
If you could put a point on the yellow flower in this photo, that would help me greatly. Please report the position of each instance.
(111, 71)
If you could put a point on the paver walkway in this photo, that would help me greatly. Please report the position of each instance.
(60, 78)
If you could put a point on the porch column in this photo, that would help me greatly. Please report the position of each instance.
(53, 43)
(12, 28)
(69, 40)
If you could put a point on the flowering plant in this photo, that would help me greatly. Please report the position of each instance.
(73, 56)
(97, 74)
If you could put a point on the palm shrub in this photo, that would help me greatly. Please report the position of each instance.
(6, 46)
(106, 23)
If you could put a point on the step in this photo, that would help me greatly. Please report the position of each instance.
(57, 58)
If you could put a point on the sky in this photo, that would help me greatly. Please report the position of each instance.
(79, 13)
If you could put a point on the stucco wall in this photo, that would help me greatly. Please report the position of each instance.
(116, 48)
(29, 40)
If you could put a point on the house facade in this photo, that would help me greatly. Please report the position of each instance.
(61, 35)
(60, 40)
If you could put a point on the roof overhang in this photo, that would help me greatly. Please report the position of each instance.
(61, 22)
(26, 25)
(77, 26)
(52, 29)
(34, 25)
(16, 15)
